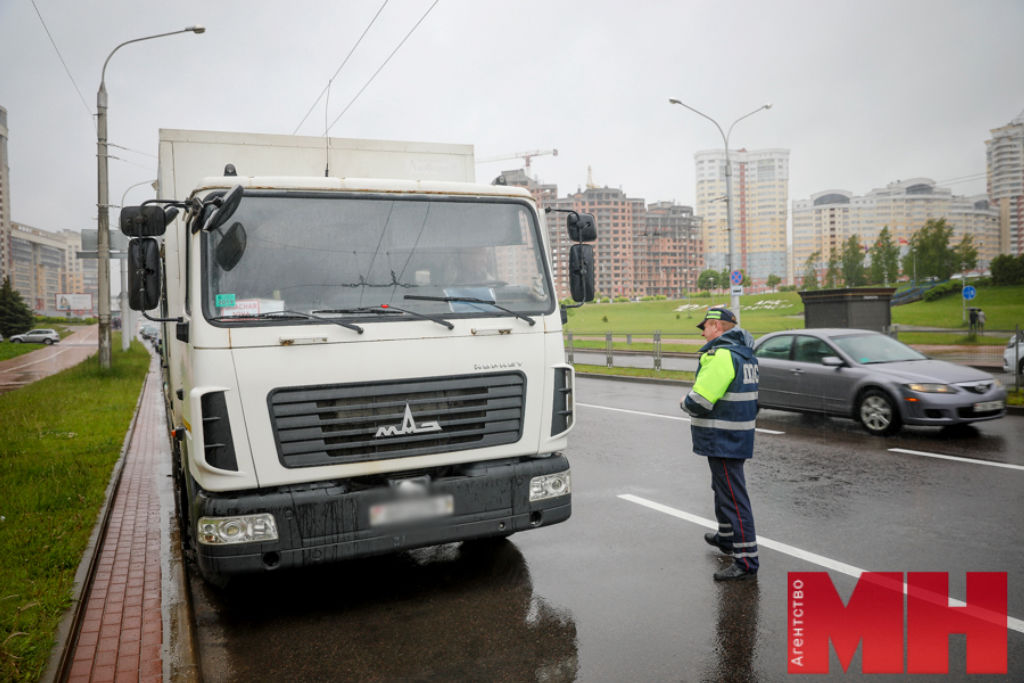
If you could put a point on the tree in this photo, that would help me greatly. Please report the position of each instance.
(885, 259)
(811, 271)
(772, 281)
(1007, 270)
(853, 262)
(930, 254)
(966, 253)
(15, 315)
(832, 275)
(708, 280)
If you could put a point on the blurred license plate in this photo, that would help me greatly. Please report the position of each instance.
(987, 406)
(411, 510)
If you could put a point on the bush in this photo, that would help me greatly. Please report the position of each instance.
(622, 299)
(787, 288)
(943, 290)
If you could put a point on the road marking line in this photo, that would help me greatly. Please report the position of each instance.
(792, 551)
(664, 417)
(925, 454)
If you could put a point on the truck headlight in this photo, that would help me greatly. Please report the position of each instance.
(550, 486)
(241, 529)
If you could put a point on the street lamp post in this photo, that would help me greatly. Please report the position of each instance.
(103, 199)
(734, 301)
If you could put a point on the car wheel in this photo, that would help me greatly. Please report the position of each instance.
(16, 341)
(1020, 367)
(47, 341)
(877, 413)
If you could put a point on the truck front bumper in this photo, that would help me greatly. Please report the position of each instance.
(331, 521)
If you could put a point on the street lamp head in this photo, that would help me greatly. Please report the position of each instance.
(673, 100)
(767, 106)
(202, 29)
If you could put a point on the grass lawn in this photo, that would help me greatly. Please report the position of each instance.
(680, 375)
(763, 313)
(60, 439)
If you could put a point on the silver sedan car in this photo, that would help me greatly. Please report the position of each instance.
(872, 378)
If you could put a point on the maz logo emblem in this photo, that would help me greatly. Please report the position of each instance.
(408, 426)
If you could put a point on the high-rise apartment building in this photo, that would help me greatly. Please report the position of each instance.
(641, 250)
(760, 197)
(668, 251)
(5, 200)
(824, 222)
(1005, 156)
(45, 264)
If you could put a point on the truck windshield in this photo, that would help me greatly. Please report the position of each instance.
(344, 256)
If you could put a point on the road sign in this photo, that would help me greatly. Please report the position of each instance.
(736, 277)
(970, 292)
(736, 289)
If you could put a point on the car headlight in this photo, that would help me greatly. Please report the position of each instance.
(923, 388)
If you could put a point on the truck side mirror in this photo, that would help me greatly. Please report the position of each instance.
(148, 220)
(581, 272)
(581, 227)
(144, 272)
(226, 207)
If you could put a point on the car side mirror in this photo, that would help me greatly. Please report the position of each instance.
(832, 362)
(144, 273)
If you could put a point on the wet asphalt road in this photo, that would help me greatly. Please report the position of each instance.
(623, 592)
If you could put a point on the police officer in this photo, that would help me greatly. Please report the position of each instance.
(723, 407)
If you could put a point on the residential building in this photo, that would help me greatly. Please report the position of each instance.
(825, 221)
(669, 252)
(1005, 157)
(760, 197)
(45, 264)
(641, 250)
(5, 200)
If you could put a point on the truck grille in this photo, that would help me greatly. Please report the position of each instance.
(329, 425)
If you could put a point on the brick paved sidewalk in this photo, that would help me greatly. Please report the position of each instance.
(121, 635)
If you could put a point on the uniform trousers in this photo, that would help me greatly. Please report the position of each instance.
(732, 510)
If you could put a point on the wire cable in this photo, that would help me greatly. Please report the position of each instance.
(327, 87)
(381, 67)
(61, 57)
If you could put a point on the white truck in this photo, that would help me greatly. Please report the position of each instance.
(362, 348)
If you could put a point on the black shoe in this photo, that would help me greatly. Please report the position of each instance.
(734, 572)
(713, 539)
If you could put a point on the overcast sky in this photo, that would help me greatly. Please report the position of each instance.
(864, 92)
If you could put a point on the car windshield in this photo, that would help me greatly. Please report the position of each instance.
(876, 348)
(344, 256)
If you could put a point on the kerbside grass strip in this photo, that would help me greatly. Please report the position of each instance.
(59, 440)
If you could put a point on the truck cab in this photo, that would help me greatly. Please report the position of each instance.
(356, 366)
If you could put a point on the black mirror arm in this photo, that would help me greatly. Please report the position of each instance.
(179, 319)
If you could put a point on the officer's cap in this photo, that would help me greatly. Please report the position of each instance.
(723, 314)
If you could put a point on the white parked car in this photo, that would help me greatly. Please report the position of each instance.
(40, 336)
(1013, 354)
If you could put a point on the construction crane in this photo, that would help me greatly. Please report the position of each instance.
(525, 156)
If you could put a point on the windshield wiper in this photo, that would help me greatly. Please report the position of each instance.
(471, 300)
(288, 315)
(359, 309)
(388, 309)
